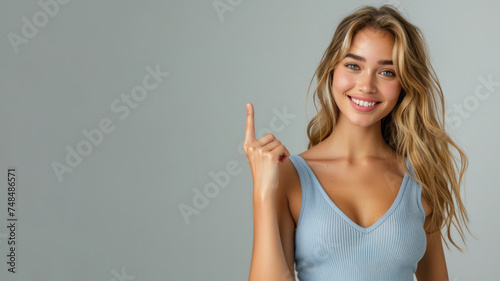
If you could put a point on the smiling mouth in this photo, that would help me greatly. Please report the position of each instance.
(364, 103)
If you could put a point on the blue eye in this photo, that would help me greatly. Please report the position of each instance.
(350, 64)
(391, 73)
(356, 67)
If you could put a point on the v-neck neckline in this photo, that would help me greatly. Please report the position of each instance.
(343, 215)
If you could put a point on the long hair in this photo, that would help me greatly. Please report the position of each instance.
(414, 128)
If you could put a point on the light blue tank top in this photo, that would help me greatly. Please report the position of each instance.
(330, 246)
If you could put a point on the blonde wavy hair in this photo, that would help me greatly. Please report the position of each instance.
(414, 128)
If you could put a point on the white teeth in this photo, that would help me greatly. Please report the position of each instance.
(363, 103)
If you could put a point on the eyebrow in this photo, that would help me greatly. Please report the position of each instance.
(356, 57)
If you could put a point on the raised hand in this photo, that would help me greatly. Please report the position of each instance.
(263, 156)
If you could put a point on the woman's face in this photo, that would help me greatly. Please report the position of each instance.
(366, 74)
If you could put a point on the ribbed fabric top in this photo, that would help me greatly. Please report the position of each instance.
(330, 246)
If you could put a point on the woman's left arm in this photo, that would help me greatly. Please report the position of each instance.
(432, 266)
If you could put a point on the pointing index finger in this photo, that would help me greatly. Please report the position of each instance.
(250, 127)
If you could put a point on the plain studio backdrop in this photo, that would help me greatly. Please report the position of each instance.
(123, 122)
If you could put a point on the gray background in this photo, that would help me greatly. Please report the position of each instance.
(117, 213)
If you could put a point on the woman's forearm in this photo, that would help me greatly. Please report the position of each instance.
(268, 259)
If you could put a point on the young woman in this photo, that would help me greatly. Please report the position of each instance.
(368, 199)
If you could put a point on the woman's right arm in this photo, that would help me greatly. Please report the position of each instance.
(272, 253)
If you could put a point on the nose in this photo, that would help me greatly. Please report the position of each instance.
(366, 82)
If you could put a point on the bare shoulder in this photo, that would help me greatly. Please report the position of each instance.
(285, 209)
(288, 177)
(289, 188)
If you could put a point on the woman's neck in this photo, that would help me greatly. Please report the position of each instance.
(353, 142)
